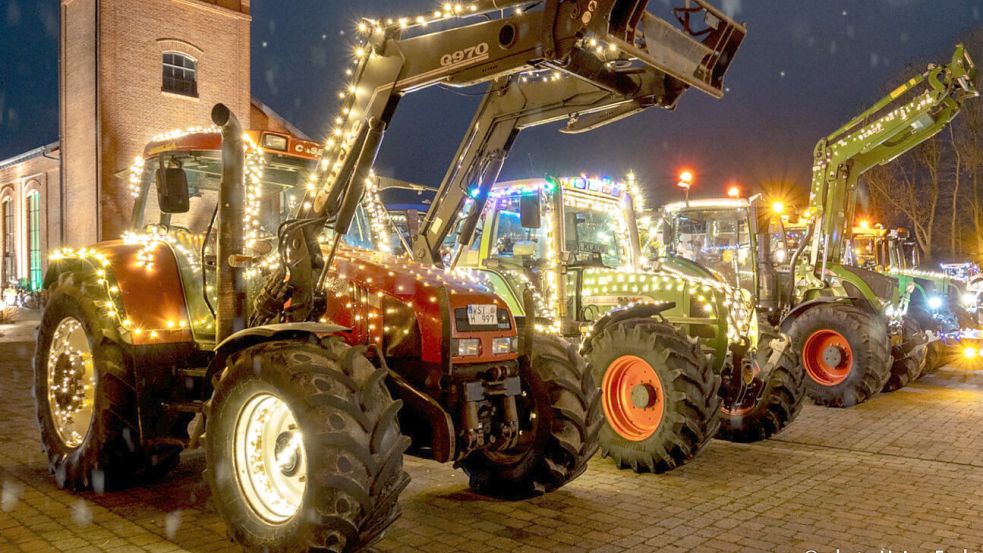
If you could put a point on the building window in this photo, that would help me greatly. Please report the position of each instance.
(180, 74)
(7, 216)
(34, 239)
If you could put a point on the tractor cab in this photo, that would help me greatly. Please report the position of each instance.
(734, 240)
(176, 187)
(559, 234)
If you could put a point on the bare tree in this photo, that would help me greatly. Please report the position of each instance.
(912, 187)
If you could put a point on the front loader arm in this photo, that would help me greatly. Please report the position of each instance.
(511, 105)
(606, 43)
(911, 114)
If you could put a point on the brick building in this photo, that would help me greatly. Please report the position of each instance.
(30, 187)
(130, 69)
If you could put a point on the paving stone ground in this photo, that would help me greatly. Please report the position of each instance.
(903, 471)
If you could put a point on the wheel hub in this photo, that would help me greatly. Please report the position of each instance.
(632, 397)
(270, 461)
(827, 357)
(71, 382)
(643, 396)
(833, 356)
(286, 453)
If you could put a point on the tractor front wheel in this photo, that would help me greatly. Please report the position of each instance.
(303, 447)
(659, 395)
(85, 395)
(771, 401)
(560, 417)
(844, 351)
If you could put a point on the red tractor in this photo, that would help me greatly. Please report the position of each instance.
(305, 417)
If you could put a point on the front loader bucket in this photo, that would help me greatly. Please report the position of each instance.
(697, 51)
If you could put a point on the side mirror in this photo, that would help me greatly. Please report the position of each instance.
(529, 211)
(172, 190)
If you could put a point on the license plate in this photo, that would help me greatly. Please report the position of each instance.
(482, 315)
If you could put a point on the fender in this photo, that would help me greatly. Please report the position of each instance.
(798, 310)
(141, 283)
(267, 333)
(633, 311)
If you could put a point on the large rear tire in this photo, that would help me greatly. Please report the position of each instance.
(85, 395)
(906, 368)
(304, 449)
(659, 394)
(844, 351)
(560, 418)
(773, 402)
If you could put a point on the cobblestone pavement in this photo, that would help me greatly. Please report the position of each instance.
(903, 471)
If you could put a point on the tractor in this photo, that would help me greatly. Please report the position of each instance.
(679, 358)
(848, 324)
(940, 302)
(251, 311)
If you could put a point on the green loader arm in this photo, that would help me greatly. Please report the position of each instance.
(911, 114)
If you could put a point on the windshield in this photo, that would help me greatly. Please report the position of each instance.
(595, 232)
(510, 241)
(863, 252)
(281, 188)
(717, 239)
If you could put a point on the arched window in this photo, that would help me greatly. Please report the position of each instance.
(180, 74)
(34, 239)
(8, 265)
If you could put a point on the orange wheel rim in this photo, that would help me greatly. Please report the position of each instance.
(633, 398)
(827, 357)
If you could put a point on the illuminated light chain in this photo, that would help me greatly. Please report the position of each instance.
(379, 222)
(136, 169)
(136, 176)
(625, 280)
(253, 173)
(67, 394)
(112, 303)
(348, 121)
(823, 169)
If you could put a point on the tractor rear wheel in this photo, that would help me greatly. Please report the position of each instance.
(905, 369)
(85, 395)
(303, 447)
(769, 403)
(659, 394)
(844, 351)
(560, 416)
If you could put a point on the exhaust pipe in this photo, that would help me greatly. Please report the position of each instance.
(230, 280)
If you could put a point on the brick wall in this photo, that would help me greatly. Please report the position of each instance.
(79, 125)
(132, 108)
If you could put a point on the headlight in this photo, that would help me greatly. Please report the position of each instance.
(934, 302)
(968, 299)
(504, 345)
(466, 347)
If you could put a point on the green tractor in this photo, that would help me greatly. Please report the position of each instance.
(849, 325)
(680, 358)
(939, 302)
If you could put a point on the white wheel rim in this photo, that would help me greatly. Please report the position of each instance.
(71, 382)
(270, 461)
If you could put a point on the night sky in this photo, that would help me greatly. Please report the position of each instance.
(806, 67)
